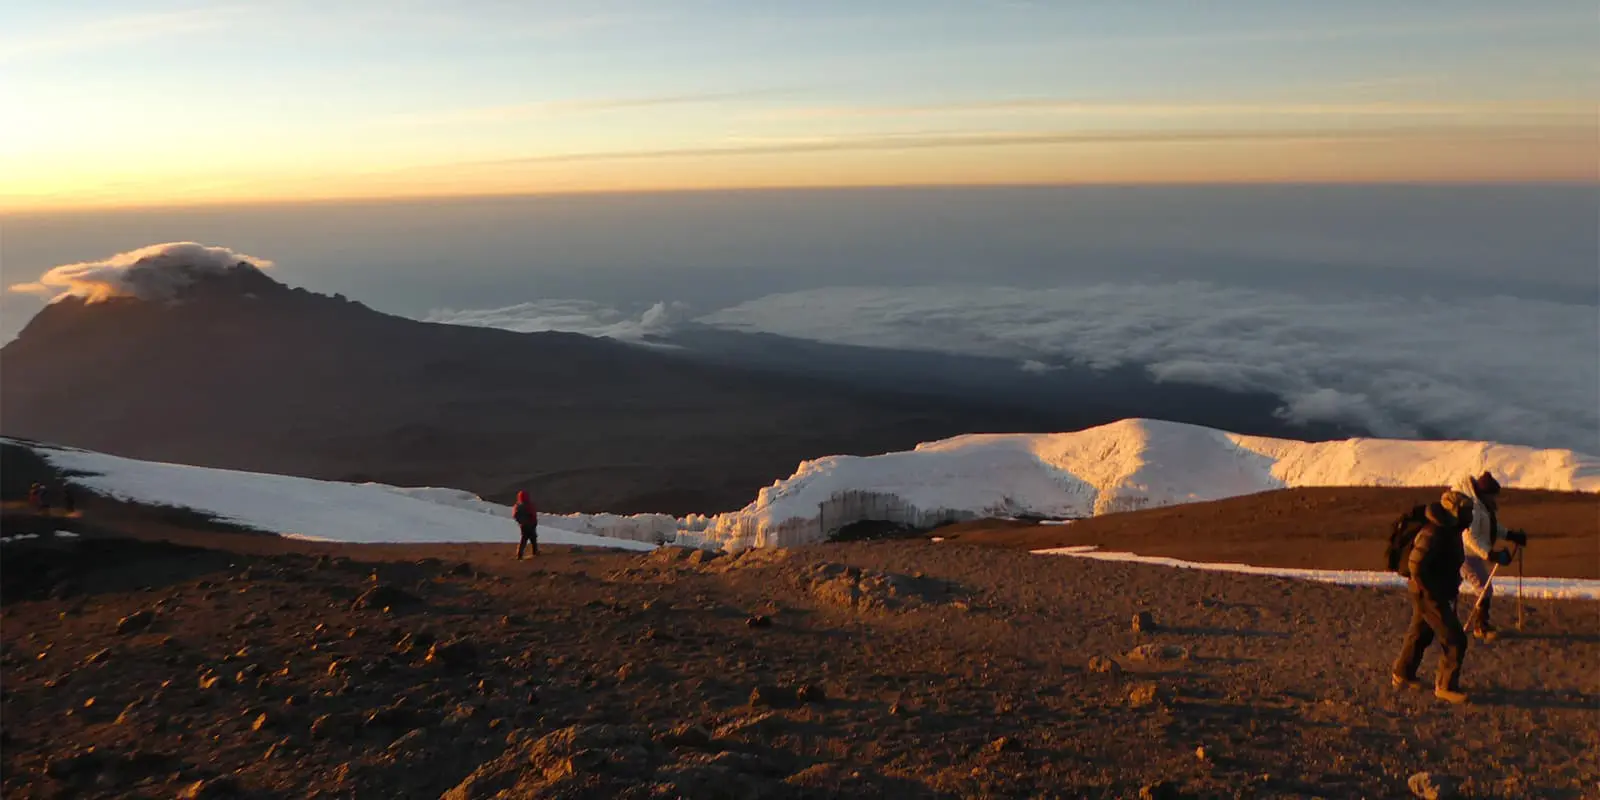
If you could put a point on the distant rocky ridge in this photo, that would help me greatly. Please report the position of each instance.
(233, 369)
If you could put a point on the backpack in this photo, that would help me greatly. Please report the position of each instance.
(1401, 536)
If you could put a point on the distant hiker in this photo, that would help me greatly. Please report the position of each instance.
(69, 504)
(1433, 570)
(42, 499)
(527, 516)
(1479, 541)
(36, 496)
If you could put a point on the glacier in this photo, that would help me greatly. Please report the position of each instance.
(1120, 466)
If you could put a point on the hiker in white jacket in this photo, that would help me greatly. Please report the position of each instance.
(1479, 540)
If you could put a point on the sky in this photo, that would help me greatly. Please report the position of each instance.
(113, 103)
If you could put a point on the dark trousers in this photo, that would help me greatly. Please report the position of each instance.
(1433, 614)
(530, 535)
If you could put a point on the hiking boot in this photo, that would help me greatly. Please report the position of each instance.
(1455, 696)
(1403, 682)
(1486, 633)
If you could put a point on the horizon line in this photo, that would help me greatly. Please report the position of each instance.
(380, 199)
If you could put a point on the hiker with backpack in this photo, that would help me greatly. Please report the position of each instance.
(527, 516)
(1431, 562)
(1479, 541)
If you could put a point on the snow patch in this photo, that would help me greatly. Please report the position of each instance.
(1542, 588)
(313, 510)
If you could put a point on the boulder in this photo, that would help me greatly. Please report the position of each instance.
(135, 622)
(454, 654)
(774, 696)
(1104, 666)
(1143, 622)
(811, 694)
(1005, 744)
(385, 596)
(1158, 652)
(1428, 786)
(1144, 695)
(210, 789)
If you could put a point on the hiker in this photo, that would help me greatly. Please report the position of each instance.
(35, 496)
(42, 500)
(527, 516)
(1433, 567)
(1479, 541)
(69, 504)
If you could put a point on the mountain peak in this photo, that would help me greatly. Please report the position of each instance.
(179, 285)
(156, 272)
(173, 277)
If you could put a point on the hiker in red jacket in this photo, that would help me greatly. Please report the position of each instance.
(39, 496)
(527, 516)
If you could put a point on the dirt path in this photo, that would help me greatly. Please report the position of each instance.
(929, 670)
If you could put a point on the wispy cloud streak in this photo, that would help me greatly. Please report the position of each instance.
(120, 30)
(519, 111)
(913, 141)
(1065, 107)
(1439, 25)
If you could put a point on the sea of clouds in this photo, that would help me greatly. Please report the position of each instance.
(1489, 367)
(572, 316)
(1454, 363)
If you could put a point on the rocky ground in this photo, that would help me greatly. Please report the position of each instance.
(220, 664)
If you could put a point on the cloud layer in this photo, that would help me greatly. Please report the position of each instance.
(571, 316)
(1498, 368)
(154, 272)
(1513, 370)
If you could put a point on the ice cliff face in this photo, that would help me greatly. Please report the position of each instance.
(1126, 465)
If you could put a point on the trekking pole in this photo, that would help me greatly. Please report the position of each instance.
(1488, 582)
(1519, 587)
(1477, 605)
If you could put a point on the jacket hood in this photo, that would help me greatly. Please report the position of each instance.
(522, 497)
(1441, 516)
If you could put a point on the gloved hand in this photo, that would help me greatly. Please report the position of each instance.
(1501, 557)
(1518, 538)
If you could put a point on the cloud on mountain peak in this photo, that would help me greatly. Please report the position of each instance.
(152, 272)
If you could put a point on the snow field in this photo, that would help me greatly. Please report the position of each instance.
(1124, 465)
(1542, 588)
